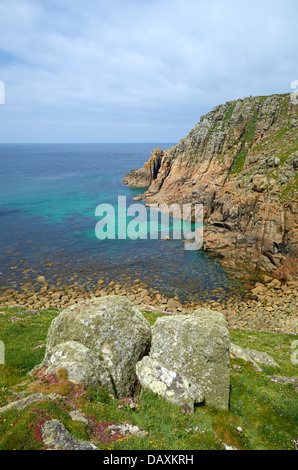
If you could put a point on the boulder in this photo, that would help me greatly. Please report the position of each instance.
(261, 357)
(193, 350)
(56, 437)
(168, 384)
(99, 341)
(82, 365)
(251, 355)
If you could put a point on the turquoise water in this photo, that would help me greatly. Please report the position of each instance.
(48, 215)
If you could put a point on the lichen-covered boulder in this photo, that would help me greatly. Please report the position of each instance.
(81, 364)
(108, 334)
(196, 347)
(56, 437)
(168, 384)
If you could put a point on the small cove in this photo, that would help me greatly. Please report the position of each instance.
(49, 193)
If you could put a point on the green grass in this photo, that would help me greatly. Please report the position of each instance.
(239, 162)
(266, 411)
(230, 111)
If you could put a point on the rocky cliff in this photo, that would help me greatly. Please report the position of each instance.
(240, 161)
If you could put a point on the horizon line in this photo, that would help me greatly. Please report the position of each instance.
(81, 143)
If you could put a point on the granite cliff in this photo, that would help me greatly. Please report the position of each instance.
(240, 161)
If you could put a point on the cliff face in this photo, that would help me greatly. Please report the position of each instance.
(240, 161)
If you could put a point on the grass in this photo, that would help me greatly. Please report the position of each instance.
(239, 162)
(266, 411)
(230, 111)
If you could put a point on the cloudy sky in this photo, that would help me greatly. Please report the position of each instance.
(137, 70)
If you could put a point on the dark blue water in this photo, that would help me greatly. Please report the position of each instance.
(48, 197)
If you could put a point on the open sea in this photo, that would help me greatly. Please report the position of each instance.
(48, 197)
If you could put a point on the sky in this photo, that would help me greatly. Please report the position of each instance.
(136, 70)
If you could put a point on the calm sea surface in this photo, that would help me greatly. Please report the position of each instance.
(48, 197)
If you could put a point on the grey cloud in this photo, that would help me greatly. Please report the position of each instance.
(136, 70)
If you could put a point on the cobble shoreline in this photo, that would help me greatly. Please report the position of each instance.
(270, 305)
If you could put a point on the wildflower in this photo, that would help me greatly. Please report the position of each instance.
(239, 429)
(295, 443)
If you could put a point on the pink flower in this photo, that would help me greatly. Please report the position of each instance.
(239, 429)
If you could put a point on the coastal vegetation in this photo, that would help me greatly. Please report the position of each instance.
(262, 413)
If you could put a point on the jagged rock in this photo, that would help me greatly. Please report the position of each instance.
(56, 437)
(126, 429)
(76, 415)
(253, 356)
(261, 357)
(226, 163)
(142, 178)
(191, 349)
(27, 401)
(237, 351)
(99, 341)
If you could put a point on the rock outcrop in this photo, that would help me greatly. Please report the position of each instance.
(240, 161)
(107, 343)
(56, 437)
(143, 177)
(189, 360)
(99, 342)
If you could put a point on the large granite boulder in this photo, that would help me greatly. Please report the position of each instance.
(190, 352)
(99, 342)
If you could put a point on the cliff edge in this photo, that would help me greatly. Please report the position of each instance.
(240, 161)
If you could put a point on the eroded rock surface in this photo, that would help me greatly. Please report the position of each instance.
(99, 342)
(240, 161)
(189, 359)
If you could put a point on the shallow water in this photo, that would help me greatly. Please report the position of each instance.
(49, 194)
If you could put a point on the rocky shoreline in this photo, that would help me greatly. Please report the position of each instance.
(240, 162)
(270, 305)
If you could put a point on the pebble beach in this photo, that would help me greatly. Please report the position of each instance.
(269, 304)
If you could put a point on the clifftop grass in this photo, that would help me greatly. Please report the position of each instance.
(263, 414)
